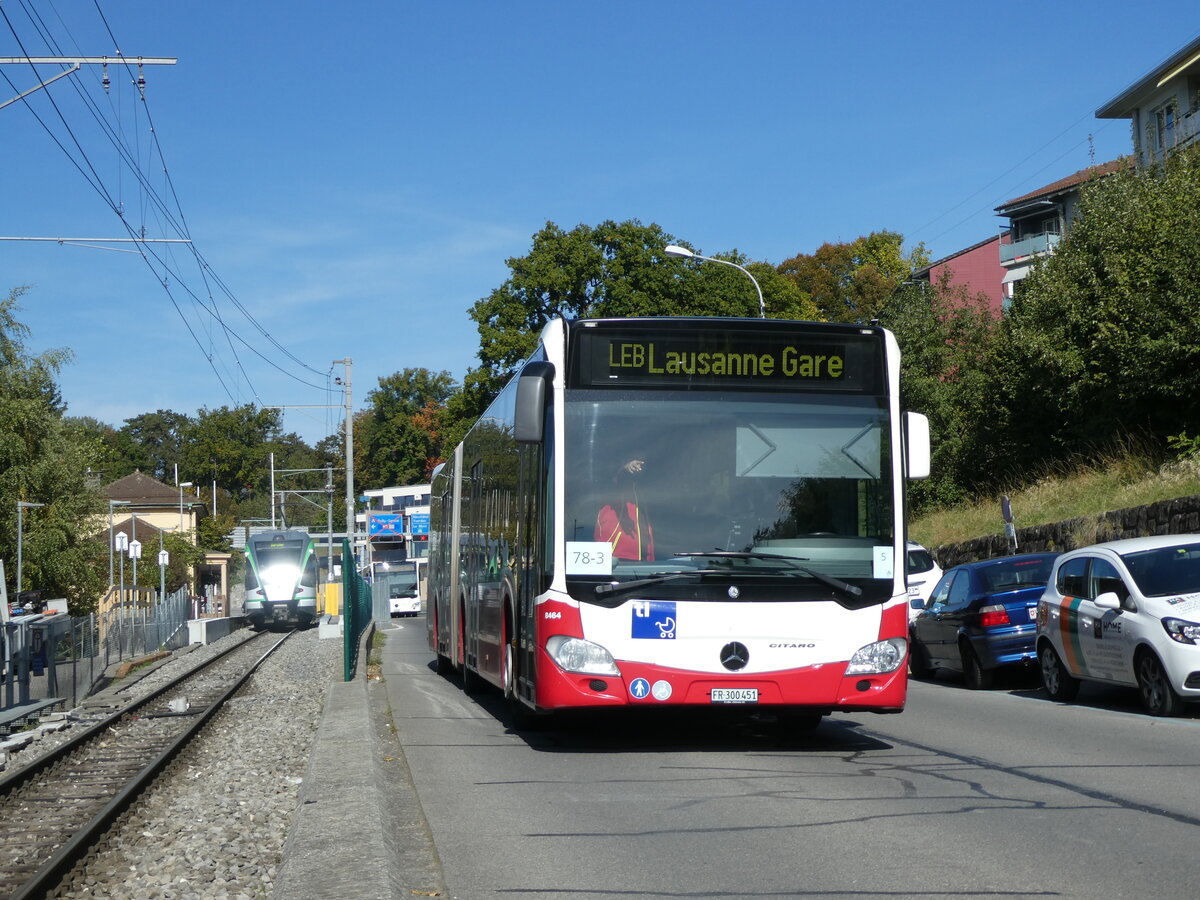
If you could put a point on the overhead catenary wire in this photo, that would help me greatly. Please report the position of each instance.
(171, 218)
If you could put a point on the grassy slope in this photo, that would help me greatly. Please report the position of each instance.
(1118, 484)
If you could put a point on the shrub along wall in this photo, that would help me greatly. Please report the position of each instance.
(1178, 516)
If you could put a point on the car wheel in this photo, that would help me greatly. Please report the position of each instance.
(1056, 680)
(974, 674)
(918, 661)
(1158, 697)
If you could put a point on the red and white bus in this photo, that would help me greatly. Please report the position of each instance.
(666, 512)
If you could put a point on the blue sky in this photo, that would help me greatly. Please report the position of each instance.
(355, 174)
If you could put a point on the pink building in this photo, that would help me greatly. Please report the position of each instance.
(977, 268)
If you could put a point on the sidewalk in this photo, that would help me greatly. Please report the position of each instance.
(358, 830)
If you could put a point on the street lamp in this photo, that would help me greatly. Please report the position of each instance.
(684, 252)
(22, 505)
(181, 487)
(111, 504)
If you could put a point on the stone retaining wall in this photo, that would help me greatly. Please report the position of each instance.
(1178, 516)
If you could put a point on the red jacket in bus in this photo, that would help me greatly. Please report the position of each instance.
(631, 539)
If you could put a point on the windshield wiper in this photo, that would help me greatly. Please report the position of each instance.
(614, 586)
(793, 561)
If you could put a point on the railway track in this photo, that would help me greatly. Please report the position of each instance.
(54, 810)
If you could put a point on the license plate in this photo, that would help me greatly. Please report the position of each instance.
(735, 695)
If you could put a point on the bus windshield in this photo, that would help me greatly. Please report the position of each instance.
(786, 495)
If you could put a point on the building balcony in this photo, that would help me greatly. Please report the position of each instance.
(1030, 246)
(1183, 133)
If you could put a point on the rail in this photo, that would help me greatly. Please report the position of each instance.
(104, 794)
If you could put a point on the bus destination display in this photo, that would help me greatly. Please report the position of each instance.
(728, 359)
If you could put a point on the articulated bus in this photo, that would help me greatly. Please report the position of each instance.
(683, 512)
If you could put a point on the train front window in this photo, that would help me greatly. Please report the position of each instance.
(754, 486)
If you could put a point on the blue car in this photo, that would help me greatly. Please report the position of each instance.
(981, 617)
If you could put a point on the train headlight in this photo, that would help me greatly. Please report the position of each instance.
(279, 583)
(574, 654)
(878, 658)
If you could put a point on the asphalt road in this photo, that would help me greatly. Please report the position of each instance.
(992, 794)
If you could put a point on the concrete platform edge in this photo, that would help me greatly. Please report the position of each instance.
(337, 841)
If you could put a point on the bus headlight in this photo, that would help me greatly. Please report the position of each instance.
(574, 654)
(878, 658)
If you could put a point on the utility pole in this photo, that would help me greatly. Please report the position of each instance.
(328, 525)
(345, 382)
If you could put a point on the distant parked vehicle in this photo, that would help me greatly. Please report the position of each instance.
(980, 618)
(923, 573)
(1125, 612)
(404, 597)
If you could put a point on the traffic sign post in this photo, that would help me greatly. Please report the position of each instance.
(1010, 528)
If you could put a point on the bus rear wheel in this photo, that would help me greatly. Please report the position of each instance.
(444, 666)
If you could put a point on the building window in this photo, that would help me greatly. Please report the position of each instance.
(1164, 126)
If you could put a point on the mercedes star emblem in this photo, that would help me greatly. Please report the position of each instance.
(734, 656)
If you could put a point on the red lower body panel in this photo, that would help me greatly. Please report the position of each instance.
(825, 687)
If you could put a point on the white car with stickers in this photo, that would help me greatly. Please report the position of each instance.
(922, 573)
(1125, 612)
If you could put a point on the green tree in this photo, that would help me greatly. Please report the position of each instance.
(398, 439)
(40, 462)
(1103, 338)
(853, 282)
(613, 269)
(232, 445)
(150, 443)
(946, 337)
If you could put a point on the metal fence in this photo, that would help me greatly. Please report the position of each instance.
(356, 608)
(65, 656)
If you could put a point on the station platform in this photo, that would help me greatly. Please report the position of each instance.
(359, 830)
(16, 717)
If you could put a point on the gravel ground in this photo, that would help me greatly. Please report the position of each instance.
(215, 824)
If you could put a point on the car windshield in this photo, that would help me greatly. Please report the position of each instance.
(727, 486)
(1166, 570)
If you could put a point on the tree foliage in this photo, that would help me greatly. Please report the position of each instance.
(40, 462)
(614, 269)
(853, 282)
(946, 337)
(1104, 338)
(399, 439)
(1100, 348)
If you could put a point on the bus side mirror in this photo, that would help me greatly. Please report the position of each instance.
(530, 417)
(916, 427)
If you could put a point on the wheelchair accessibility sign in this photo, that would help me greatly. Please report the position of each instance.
(653, 619)
(640, 689)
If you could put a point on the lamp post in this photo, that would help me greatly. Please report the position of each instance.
(685, 253)
(22, 505)
(111, 504)
(122, 546)
(164, 559)
(181, 487)
(135, 553)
